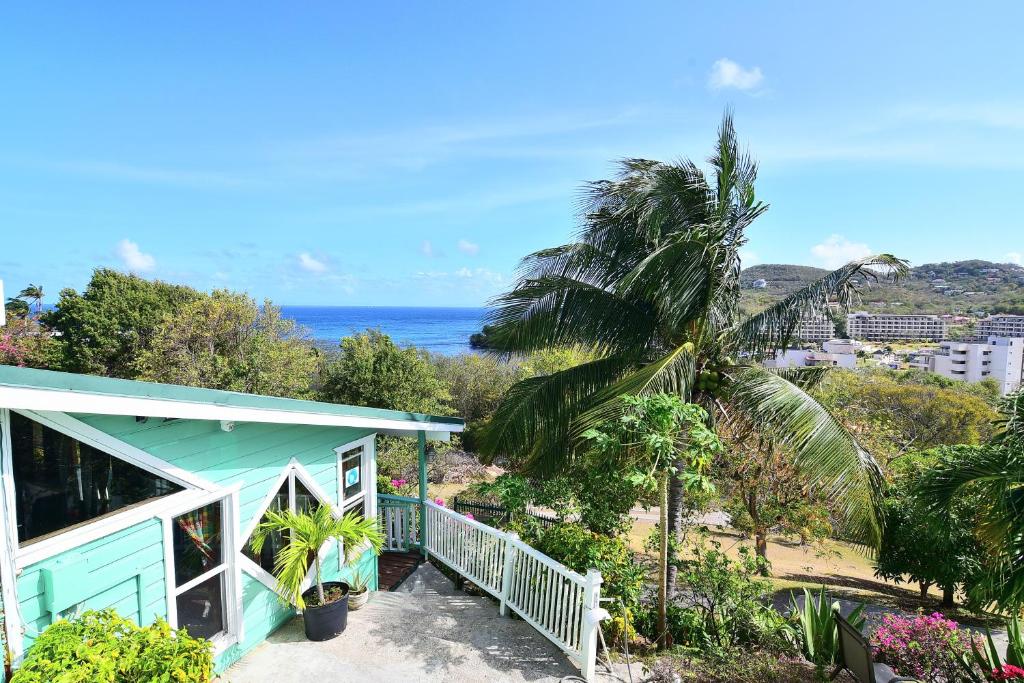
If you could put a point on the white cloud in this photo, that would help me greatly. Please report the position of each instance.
(837, 251)
(726, 73)
(311, 264)
(428, 250)
(1014, 257)
(467, 247)
(133, 258)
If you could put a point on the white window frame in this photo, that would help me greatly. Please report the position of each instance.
(91, 530)
(291, 472)
(234, 629)
(368, 471)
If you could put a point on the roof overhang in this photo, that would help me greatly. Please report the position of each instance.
(65, 401)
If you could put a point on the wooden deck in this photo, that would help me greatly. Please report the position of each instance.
(394, 568)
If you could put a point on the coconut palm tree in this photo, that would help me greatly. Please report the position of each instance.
(34, 294)
(652, 285)
(995, 474)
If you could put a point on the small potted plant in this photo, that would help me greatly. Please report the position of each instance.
(325, 605)
(359, 590)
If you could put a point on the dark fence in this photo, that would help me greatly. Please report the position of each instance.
(496, 513)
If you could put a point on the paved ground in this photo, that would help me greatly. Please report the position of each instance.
(425, 631)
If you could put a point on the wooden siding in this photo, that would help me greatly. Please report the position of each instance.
(253, 454)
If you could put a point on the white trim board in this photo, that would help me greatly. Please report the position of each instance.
(31, 398)
(109, 444)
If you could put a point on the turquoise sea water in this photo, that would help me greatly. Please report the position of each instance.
(439, 330)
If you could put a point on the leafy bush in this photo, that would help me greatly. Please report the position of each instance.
(722, 604)
(581, 550)
(819, 633)
(930, 648)
(985, 662)
(102, 647)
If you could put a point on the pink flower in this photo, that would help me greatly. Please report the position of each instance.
(469, 515)
(398, 483)
(439, 501)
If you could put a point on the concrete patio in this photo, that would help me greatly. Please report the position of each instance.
(424, 631)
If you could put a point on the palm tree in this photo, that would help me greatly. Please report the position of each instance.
(307, 532)
(652, 285)
(995, 473)
(34, 293)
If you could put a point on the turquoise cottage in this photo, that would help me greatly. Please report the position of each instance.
(143, 497)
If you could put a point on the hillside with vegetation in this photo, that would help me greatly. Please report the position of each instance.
(960, 287)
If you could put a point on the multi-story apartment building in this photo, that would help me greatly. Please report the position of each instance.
(999, 358)
(880, 327)
(817, 328)
(1000, 326)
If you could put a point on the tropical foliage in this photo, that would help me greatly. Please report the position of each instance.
(819, 633)
(103, 647)
(995, 474)
(651, 285)
(307, 532)
(931, 648)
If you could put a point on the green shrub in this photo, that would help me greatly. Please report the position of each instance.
(722, 604)
(581, 550)
(102, 647)
(819, 634)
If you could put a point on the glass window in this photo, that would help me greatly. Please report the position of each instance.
(305, 500)
(61, 483)
(197, 543)
(275, 541)
(351, 466)
(201, 608)
(199, 570)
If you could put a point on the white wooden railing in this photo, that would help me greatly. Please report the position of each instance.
(400, 519)
(560, 603)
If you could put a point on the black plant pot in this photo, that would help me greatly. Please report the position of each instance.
(326, 621)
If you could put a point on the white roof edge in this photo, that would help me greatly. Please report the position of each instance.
(57, 400)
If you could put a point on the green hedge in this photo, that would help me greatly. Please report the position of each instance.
(102, 647)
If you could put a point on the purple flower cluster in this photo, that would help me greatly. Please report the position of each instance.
(927, 647)
(10, 352)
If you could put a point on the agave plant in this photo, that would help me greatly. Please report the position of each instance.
(985, 657)
(307, 532)
(652, 287)
(818, 630)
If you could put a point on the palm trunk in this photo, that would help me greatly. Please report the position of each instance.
(319, 583)
(663, 639)
(676, 499)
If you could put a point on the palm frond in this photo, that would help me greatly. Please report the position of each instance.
(772, 329)
(671, 374)
(532, 422)
(559, 311)
(836, 465)
(1010, 425)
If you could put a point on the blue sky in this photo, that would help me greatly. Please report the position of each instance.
(338, 153)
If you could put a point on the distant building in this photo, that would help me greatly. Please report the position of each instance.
(842, 346)
(1000, 326)
(802, 358)
(891, 327)
(999, 358)
(818, 328)
(760, 284)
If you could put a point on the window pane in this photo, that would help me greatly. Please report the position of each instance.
(201, 608)
(60, 482)
(351, 462)
(275, 541)
(305, 501)
(197, 542)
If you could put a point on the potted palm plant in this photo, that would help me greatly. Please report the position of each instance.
(324, 605)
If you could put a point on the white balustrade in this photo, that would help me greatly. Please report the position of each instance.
(560, 603)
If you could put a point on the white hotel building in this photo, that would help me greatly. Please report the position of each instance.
(998, 358)
(882, 327)
(1000, 326)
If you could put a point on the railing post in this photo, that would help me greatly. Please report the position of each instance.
(421, 450)
(593, 614)
(506, 571)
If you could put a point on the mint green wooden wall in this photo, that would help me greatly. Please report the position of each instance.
(254, 454)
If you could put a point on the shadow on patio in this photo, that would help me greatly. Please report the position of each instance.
(424, 631)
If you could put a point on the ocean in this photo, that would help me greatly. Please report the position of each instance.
(438, 330)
